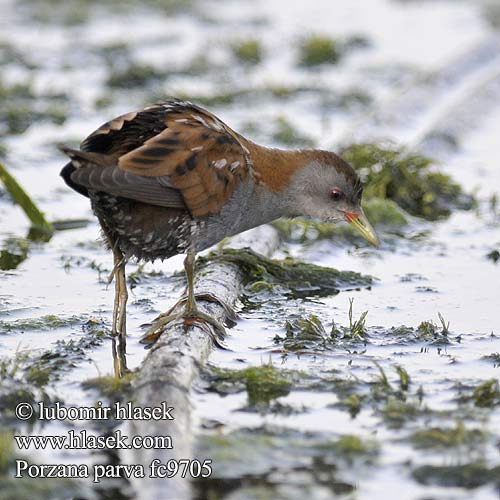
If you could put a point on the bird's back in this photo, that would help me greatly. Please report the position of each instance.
(157, 177)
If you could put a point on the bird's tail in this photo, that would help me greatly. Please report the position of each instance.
(81, 158)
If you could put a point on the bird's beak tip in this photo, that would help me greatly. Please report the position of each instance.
(360, 222)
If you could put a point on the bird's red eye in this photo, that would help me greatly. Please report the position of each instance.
(336, 194)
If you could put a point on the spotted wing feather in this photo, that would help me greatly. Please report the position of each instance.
(194, 153)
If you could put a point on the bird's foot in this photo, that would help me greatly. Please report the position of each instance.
(156, 329)
(217, 332)
(189, 317)
(230, 316)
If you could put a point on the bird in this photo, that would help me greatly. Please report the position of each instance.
(173, 178)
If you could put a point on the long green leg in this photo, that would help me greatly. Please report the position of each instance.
(119, 326)
(191, 313)
(121, 296)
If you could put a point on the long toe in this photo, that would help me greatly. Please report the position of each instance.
(209, 324)
(213, 327)
(230, 315)
(156, 329)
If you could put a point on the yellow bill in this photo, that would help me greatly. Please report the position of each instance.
(362, 224)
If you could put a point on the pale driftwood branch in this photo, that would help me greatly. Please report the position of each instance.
(173, 364)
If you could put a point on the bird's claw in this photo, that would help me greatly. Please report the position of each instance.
(217, 332)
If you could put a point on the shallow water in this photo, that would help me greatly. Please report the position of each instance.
(429, 68)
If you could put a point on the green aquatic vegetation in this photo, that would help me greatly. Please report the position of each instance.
(446, 437)
(487, 394)
(20, 197)
(350, 447)
(352, 404)
(133, 75)
(16, 91)
(470, 475)
(309, 333)
(248, 51)
(15, 251)
(51, 364)
(407, 178)
(317, 50)
(282, 132)
(303, 230)
(302, 279)
(427, 331)
(25, 487)
(304, 333)
(404, 378)
(17, 119)
(382, 382)
(11, 54)
(445, 327)
(15, 388)
(25, 376)
(139, 275)
(7, 454)
(494, 256)
(20, 107)
(263, 383)
(77, 12)
(268, 451)
(383, 214)
(112, 387)
(43, 323)
(352, 98)
(285, 133)
(397, 412)
(494, 356)
(113, 52)
(356, 329)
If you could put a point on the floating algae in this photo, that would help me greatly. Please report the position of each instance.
(407, 178)
(300, 278)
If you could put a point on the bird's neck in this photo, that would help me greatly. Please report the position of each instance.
(274, 168)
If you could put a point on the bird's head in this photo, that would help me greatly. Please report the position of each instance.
(329, 189)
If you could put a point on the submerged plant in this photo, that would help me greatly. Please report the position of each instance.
(285, 133)
(304, 333)
(317, 50)
(440, 437)
(407, 178)
(300, 278)
(263, 383)
(133, 75)
(404, 378)
(15, 251)
(494, 255)
(309, 333)
(248, 51)
(487, 394)
(445, 326)
(357, 327)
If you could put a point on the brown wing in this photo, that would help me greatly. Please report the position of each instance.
(126, 132)
(195, 153)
